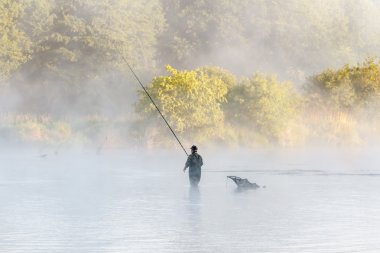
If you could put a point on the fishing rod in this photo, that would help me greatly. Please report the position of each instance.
(151, 99)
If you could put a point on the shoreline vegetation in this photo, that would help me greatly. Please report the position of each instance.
(209, 105)
(216, 69)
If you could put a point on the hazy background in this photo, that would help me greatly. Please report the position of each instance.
(284, 93)
(320, 201)
(284, 73)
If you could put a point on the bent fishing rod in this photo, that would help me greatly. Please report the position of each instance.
(151, 99)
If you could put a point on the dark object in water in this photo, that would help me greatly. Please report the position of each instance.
(243, 183)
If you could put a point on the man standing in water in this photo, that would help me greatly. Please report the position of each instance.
(194, 163)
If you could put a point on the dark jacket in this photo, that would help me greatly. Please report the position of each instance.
(194, 161)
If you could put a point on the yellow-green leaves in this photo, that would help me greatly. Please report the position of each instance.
(207, 104)
(348, 88)
(14, 44)
(263, 104)
(190, 100)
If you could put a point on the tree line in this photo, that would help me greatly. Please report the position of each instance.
(336, 106)
(66, 59)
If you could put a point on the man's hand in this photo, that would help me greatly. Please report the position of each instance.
(184, 169)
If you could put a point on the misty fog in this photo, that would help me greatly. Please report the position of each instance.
(65, 81)
(141, 202)
(285, 94)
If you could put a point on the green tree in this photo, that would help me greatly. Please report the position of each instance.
(79, 49)
(198, 28)
(263, 105)
(292, 38)
(348, 88)
(190, 100)
(14, 44)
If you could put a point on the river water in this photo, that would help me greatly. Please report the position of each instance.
(123, 201)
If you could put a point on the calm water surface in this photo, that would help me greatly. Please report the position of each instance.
(121, 202)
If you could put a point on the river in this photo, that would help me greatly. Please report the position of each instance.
(124, 201)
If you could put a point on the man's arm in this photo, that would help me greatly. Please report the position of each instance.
(187, 164)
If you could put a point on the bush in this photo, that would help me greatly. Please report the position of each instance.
(190, 101)
(264, 105)
(348, 88)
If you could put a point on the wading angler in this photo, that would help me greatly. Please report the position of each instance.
(194, 163)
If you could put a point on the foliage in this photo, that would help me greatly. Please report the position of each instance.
(66, 59)
(43, 130)
(197, 27)
(190, 100)
(33, 129)
(14, 44)
(78, 46)
(215, 72)
(332, 128)
(348, 88)
(97, 35)
(263, 104)
(293, 38)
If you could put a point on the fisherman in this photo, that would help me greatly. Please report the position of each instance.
(194, 163)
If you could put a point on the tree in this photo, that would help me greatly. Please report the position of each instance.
(14, 44)
(263, 105)
(190, 100)
(349, 88)
(292, 38)
(198, 28)
(79, 49)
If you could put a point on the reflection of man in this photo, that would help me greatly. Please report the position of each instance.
(194, 163)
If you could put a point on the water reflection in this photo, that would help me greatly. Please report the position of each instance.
(193, 207)
(192, 232)
(194, 195)
(240, 190)
(128, 209)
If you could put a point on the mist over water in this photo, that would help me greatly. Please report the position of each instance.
(234, 66)
(83, 159)
(123, 201)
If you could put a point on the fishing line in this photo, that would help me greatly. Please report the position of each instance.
(151, 99)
